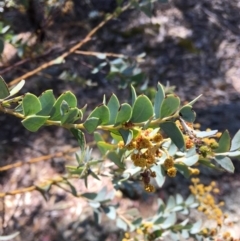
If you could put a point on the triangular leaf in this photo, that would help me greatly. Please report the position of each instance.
(104, 147)
(203, 134)
(142, 109)
(187, 113)
(17, 88)
(102, 113)
(91, 124)
(170, 221)
(191, 103)
(124, 114)
(183, 169)
(70, 99)
(71, 116)
(191, 160)
(30, 104)
(110, 212)
(9, 237)
(224, 143)
(34, 122)
(160, 175)
(4, 91)
(97, 137)
(196, 228)
(225, 162)
(47, 101)
(121, 224)
(113, 106)
(134, 95)
(170, 104)
(235, 144)
(79, 135)
(115, 158)
(174, 133)
(160, 95)
(127, 135)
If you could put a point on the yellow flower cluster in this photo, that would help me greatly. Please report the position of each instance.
(169, 166)
(145, 149)
(211, 142)
(193, 171)
(126, 237)
(188, 142)
(144, 230)
(214, 232)
(207, 202)
(227, 237)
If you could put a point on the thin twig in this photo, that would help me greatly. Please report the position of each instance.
(70, 51)
(24, 61)
(55, 181)
(31, 188)
(17, 191)
(99, 53)
(37, 159)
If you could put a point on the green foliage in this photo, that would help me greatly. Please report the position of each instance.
(127, 124)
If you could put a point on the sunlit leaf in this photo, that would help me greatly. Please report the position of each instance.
(196, 228)
(113, 106)
(124, 114)
(70, 99)
(134, 95)
(191, 160)
(9, 237)
(91, 124)
(110, 212)
(170, 221)
(121, 224)
(142, 109)
(30, 104)
(47, 101)
(191, 103)
(71, 116)
(17, 88)
(159, 97)
(102, 113)
(224, 143)
(203, 134)
(169, 105)
(174, 133)
(225, 162)
(235, 144)
(160, 174)
(187, 113)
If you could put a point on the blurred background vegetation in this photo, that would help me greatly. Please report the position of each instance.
(192, 46)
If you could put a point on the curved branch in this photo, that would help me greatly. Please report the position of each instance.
(70, 51)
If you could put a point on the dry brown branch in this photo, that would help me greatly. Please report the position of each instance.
(38, 159)
(31, 188)
(17, 191)
(55, 181)
(70, 51)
